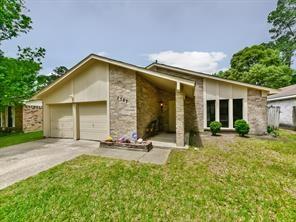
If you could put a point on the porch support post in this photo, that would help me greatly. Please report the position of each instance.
(180, 125)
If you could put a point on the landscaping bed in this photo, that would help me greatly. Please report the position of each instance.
(145, 146)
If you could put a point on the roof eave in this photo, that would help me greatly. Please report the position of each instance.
(204, 75)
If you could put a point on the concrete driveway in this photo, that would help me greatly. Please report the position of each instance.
(21, 161)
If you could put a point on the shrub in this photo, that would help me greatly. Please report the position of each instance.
(241, 127)
(215, 127)
(272, 131)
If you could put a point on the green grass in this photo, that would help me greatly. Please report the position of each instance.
(246, 179)
(19, 138)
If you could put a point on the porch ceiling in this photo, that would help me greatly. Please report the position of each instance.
(168, 85)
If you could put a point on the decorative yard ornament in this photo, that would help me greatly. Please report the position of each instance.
(134, 136)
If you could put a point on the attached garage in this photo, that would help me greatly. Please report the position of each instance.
(93, 121)
(61, 121)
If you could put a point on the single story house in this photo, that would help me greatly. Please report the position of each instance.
(26, 118)
(286, 100)
(100, 96)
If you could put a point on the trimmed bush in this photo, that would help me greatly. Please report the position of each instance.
(241, 127)
(215, 127)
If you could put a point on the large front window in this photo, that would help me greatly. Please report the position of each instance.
(237, 109)
(224, 113)
(210, 111)
(229, 110)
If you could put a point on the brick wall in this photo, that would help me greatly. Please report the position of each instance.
(148, 107)
(32, 117)
(123, 104)
(257, 112)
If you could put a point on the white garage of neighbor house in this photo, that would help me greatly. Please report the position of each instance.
(100, 97)
(286, 100)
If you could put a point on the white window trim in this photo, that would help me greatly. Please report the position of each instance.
(230, 112)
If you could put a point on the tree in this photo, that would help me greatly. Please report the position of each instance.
(45, 80)
(12, 19)
(17, 75)
(283, 20)
(17, 80)
(60, 70)
(260, 65)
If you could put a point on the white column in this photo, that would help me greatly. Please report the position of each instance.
(230, 112)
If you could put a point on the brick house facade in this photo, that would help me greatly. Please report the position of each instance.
(101, 96)
(25, 118)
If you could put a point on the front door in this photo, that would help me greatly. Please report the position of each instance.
(172, 116)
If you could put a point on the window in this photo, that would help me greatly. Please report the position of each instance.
(224, 117)
(237, 109)
(10, 116)
(210, 111)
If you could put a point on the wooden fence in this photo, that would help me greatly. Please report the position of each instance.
(273, 116)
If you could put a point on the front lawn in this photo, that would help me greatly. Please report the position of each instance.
(247, 180)
(17, 138)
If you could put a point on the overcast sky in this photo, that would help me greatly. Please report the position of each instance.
(200, 35)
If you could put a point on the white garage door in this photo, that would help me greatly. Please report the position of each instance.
(61, 121)
(93, 121)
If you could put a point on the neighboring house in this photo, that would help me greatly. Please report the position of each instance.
(26, 118)
(100, 96)
(286, 100)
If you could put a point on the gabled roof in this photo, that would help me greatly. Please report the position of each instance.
(287, 92)
(209, 76)
(113, 62)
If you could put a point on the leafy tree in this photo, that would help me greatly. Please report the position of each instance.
(17, 75)
(260, 65)
(283, 20)
(60, 70)
(17, 80)
(45, 80)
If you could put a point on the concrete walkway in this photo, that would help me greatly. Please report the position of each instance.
(21, 161)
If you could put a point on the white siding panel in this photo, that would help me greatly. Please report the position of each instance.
(225, 91)
(211, 88)
(91, 85)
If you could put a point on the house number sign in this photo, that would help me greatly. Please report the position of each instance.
(122, 99)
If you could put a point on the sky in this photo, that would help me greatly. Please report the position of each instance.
(201, 35)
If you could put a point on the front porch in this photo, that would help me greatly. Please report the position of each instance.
(161, 109)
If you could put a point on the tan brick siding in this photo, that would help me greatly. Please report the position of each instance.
(148, 106)
(123, 115)
(32, 118)
(257, 112)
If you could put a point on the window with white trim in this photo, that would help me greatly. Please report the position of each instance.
(237, 109)
(211, 112)
(226, 114)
